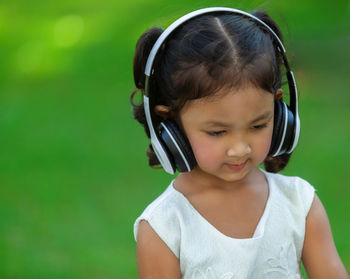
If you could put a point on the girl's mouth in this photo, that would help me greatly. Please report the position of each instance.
(237, 167)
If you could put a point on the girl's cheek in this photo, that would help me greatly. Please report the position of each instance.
(205, 152)
(266, 144)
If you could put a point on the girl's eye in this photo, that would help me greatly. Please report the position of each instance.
(258, 127)
(215, 133)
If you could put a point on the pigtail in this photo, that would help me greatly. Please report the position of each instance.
(278, 163)
(143, 48)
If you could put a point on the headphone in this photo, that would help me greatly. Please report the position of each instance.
(171, 145)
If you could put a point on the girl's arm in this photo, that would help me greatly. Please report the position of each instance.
(154, 258)
(320, 257)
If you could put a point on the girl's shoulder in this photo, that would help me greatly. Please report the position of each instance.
(293, 189)
(164, 216)
(161, 201)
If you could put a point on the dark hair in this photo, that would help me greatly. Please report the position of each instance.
(204, 55)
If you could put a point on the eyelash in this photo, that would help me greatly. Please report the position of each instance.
(219, 133)
(215, 133)
(258, 127)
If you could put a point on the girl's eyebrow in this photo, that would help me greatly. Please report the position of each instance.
(263, 116)
(214, 123)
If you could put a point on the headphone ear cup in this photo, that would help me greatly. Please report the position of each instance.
(283, 131)
(178, 146)
(278, 127)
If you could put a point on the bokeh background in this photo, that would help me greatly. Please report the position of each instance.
(73, 170)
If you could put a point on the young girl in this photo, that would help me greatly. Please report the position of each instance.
(213, 109)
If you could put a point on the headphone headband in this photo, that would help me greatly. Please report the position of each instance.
(162, 38)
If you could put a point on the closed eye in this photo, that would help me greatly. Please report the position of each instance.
(215, 133)
(258, 127)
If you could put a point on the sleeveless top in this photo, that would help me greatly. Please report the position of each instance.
(273, 252)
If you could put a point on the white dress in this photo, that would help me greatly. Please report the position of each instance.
(273, 252)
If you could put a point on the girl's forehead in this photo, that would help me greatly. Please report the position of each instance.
(234, 109)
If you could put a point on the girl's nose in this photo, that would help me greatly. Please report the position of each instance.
(239, 149)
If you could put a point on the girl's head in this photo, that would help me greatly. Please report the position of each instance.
(206, 58)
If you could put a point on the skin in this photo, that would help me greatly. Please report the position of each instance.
(230, 134)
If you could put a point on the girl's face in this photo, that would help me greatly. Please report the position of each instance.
(230, 133)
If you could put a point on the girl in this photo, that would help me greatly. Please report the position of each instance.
(213, 109)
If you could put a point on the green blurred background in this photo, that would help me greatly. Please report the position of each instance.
(73, 170)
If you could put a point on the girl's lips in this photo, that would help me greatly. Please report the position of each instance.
(236, 167)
